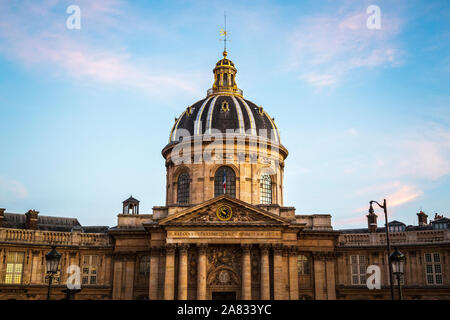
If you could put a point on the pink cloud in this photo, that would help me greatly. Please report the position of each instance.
(396, 194)
(359, 220)
(423, 155)
(326, 49)
(67, 53)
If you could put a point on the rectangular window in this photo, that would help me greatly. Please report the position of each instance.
(89, 270)
(433, 268)
(14, 267)
(358, 269)
(144, 265)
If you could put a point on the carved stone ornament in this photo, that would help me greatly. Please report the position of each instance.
(220, 256)
(224, 277)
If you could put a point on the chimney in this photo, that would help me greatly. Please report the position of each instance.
(422, 218)
(372, 222)
(437, 217)
(2, 216)
(31, 219)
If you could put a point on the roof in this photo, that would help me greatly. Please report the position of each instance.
(49, 223)
(221, 112)
(131, 199)
(441, 220)
(395, 222)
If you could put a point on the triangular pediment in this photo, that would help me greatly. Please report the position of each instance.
(224, 210)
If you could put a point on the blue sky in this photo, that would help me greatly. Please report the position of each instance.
(365, 114)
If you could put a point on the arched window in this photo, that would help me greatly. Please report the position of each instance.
(183, 188)
(265, 189)
(225, 182)
(303, 265)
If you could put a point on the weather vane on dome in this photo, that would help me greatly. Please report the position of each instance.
(224, 33)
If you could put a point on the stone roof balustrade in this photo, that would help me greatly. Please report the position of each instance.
(406, 237)
(52, 237)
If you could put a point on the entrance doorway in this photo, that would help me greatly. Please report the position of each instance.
(225, 295)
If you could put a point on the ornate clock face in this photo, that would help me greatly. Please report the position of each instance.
(224, 213)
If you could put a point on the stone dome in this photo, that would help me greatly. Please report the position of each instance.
(224, 109)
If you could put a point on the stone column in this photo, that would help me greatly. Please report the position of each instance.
(319, 276)
(285, 273)
(246, 273)
(183, 272)
(2, 277)
(265, 273)
(153, 283)
(278, 272)
(118, 274)
(169, 280)
(293, 273)
(201, 272)
(330, 275)
(129, 276)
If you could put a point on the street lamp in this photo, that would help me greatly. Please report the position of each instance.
(52, 259)
(398, 264)
(388, 243)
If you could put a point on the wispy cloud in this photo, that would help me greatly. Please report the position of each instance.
(423, 155)
(326, 49)
(396, 194)
(67, 53)
(400, 169)
(12, 190)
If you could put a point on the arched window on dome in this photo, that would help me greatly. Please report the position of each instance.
(183, 188)
(265, 189)
(225, 182)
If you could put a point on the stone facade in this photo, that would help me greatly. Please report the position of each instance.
(191, 254)
(224, 231)
(73, 246)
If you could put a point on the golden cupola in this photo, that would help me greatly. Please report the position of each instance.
(225, 77)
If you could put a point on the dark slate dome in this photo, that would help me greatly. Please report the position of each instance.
(224, 109)
(222, 112)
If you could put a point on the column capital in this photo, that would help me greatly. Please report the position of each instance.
(124, 256)
(330, 256)
(183, 248)
(202, 248)
(170, 248)
(264, 248)
(293, 250)
(277, 248)
(155, 250)
(246, 248)
(317, 255)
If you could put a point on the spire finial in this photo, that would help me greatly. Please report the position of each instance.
(224, 33)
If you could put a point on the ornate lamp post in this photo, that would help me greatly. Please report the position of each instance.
(52, 259)
(388, 246)
(398, 264)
